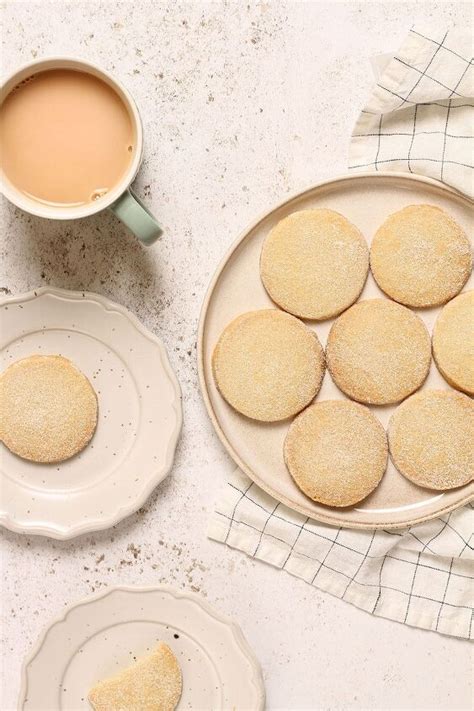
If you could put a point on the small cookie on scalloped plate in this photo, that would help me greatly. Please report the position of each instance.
(48, 408)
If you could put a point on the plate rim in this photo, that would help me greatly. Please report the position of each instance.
(90, 526)
(241, 641)
(348, 177)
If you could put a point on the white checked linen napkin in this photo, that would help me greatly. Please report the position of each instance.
(420, 116)
(422, 576)
(419, 119)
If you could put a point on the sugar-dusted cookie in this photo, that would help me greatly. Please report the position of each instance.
(336, 451)
(153, 683)
(268, 365)
(48, 408)
(430, 437)
(420, 256)
(453, 342)
(378, 352)
(314, 263)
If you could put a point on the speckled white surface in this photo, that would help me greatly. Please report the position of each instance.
(241, 104)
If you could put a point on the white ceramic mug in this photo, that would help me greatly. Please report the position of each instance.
(121, 199)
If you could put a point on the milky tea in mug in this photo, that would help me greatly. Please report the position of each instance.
(66, 137)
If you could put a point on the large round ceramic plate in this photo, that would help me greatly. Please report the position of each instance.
(139, 416)
(103, 634)
(257, 448)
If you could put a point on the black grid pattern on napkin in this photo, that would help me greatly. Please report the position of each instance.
(387, 146)
(375, 563)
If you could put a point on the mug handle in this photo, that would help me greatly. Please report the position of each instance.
(133, 213)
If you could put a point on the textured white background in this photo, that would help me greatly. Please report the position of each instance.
(241, 104)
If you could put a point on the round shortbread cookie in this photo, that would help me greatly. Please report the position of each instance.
(420, 256)
(378, 352)
(453, 342)
(430, 437)
(48, 408)
(336, 451)
(268, 365)
(314, 263)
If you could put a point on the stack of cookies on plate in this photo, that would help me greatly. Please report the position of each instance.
(269, 365)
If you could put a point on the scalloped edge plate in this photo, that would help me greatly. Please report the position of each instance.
(138, 392)
(88, 641)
